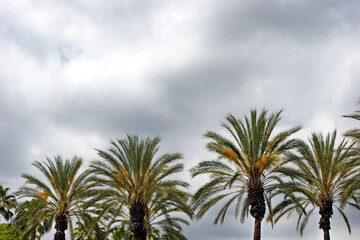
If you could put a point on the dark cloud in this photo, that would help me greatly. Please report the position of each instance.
(300, 20)
(109, 114)
(205, 86)
(76, 74)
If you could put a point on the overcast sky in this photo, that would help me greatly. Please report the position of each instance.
(75, 74)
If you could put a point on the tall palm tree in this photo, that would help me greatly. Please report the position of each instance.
(128, 176)
(320, 177)
(246, 166)
(61, 195)
(7, 202)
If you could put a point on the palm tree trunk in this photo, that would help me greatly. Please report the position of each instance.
(60, 226)
(137, 216)
(326, 212)
(139, 236)
(257, 209)
(326, 235)
(33, 234)
(257, 229)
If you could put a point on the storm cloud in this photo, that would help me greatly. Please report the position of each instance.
(75, 74)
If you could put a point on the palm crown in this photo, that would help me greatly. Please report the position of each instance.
(252, 157)
(62, 195)
(322, 172)
(129, 177)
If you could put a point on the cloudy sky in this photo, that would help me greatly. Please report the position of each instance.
(75, 74)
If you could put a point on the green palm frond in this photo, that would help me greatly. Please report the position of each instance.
(129, 173)
(321, 171)
(250, 157)
(354, 133)
(63, 192)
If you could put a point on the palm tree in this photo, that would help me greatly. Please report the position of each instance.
(129, 178)
(62, 196)
(7, 202)
(322, 173)
(247, 165)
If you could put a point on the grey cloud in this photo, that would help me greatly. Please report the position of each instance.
(278, 55)
(300, 20)
(184, 100)
(205, 85)
(206, 230)
(108, 114)
(17, 130)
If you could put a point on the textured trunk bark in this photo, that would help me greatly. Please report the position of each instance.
(326, 234)
(139, 236)
(325, 212)
(137, 216)
(257, 201)
(33, 234)
(257, 209)
(60, 226)
(257, 229)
